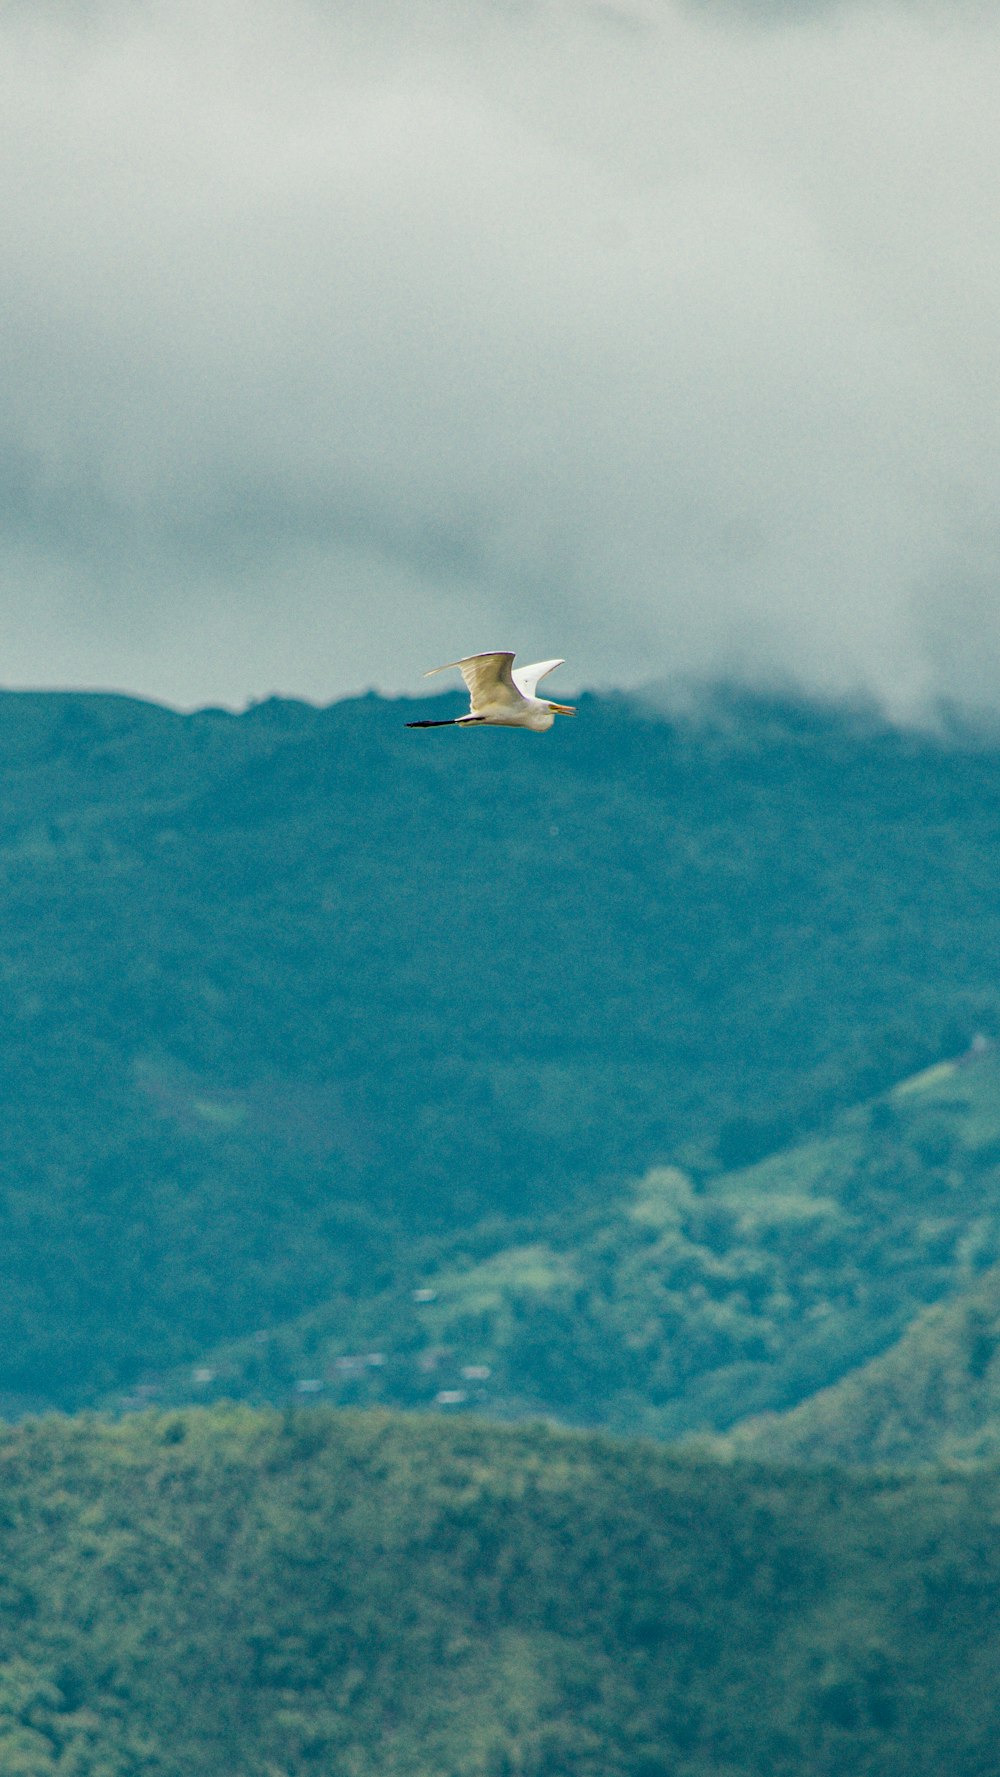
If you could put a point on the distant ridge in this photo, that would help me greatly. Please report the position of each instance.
(277, 987)
(687, 1305)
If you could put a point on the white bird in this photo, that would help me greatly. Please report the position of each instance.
(499, 697)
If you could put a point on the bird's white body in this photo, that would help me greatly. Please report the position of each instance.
(499, 697)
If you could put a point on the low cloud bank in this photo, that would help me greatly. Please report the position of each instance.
(337, 344)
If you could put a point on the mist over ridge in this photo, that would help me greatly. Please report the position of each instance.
(659, 336)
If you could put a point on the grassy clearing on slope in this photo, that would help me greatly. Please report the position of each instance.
(687, 1303)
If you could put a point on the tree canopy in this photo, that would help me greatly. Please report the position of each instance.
(230, 1591)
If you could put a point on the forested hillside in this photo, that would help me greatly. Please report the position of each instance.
(934, 1395)
(687, 1304)
(186, 1595)
(289, 995)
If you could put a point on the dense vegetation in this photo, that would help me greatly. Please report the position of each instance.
(686, 1303)
(229, 1592)
(505, 1078)
(295, 1001)
(934, 1395)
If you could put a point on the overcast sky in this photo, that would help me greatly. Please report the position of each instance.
(342, 337)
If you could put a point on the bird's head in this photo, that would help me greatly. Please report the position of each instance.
(562, 709)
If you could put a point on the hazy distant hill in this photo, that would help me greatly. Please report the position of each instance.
(186, 1596)
(288, 994)
(684, 1304)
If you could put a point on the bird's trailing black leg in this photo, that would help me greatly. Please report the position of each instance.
(454, 722)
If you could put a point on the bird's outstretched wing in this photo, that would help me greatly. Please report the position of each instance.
(527, 677)
(488, 677)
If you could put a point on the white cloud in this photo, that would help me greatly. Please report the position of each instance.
(337, 341)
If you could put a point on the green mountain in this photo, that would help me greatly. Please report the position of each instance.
(185, 1595)
(685, 1304)
(298, 1004)
(933, 1396)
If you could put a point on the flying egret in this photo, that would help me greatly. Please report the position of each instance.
(499, 697)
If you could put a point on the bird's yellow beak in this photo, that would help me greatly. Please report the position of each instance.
(562, 709)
